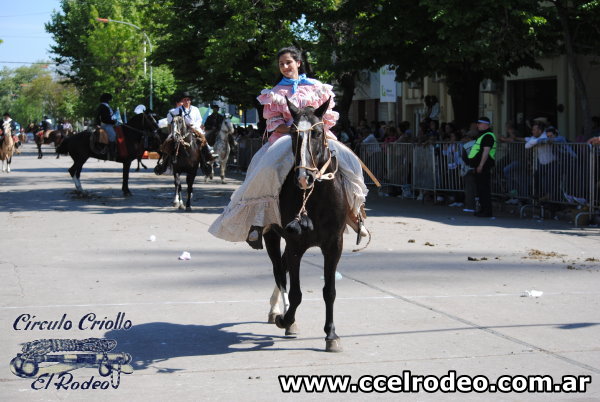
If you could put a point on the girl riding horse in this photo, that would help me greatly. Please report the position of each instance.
(254, 206)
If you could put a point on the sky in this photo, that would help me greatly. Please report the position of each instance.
(22, 31)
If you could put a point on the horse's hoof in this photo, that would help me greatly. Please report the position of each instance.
(181, 206)
(188, 209)
(127, 193)
(333, 345)
(272, 317)
(279, 321)
(292, 330)
(175, 204)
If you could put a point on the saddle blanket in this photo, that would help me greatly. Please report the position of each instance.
(121, 144)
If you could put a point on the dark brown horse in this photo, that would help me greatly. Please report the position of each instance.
(187, 152)
(313, 214)
(140, 134)
(54, 137)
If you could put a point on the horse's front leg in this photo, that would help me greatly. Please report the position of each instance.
(125, 187)
(190, 187)
(331, 257)
(292, 262)
(177, 203)
(273, 246)
(39, 147)
(224, 167)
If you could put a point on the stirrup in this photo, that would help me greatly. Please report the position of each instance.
(254, 238)
(358, 227)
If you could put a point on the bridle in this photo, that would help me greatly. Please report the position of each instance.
(145, 136)
(314, 171)
(141, 130)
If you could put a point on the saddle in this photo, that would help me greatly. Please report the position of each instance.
(99, 141)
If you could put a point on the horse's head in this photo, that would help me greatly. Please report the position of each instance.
(178, 127)
(144, 123)
(309, 143)
(227, 126)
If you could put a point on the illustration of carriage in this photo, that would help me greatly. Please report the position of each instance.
(91, 352)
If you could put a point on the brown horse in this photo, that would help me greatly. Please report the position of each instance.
(7, 148)
(189, 151)
(49, 137)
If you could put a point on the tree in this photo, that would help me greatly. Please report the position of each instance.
(580, 27)
(464, 41)
(31, 92)
(225, 48)
(99, 57)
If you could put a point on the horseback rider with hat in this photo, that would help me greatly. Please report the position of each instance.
(14, 128)
(212, 125)
(104, 119)
(193, 119)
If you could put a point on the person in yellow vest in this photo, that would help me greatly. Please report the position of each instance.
(482, 157)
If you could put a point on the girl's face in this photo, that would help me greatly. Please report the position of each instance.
(288, 66)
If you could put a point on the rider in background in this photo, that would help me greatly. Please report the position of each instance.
(212, 125)
(105, 119)
(193, 119)
(15, 129)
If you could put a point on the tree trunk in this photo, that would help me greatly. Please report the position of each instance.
(581, 91)
(463, 88)
(347, 83)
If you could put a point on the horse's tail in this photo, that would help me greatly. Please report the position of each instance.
(63, 147)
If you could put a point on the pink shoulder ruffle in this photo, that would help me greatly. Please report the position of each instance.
(275, 109)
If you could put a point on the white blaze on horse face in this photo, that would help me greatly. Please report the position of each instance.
(304, 128)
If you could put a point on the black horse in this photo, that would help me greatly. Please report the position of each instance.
(188, 151)
(140, 133)
(313, 211)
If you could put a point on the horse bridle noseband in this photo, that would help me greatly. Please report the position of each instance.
(318, 174)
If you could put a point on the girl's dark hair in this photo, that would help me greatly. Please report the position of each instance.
(296, 55)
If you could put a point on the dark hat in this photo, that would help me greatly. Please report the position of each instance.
(185, 94)
(6, 114)
(105, 97)
(213, 106)
(484, 120)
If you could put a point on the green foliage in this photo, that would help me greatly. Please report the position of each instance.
(226, 48)
(28, 93)
(102, 57)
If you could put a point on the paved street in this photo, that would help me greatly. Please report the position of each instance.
(436, 290)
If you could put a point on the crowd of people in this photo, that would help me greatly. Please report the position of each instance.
(452, 144)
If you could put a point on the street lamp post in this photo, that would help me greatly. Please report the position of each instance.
(146, 40)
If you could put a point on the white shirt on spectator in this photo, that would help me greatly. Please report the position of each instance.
(544, 151)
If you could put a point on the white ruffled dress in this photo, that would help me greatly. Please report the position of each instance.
(256, 201)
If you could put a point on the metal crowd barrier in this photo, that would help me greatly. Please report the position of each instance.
(565, 174)
(246, 149)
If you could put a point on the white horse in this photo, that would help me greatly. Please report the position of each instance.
(8, 147)
(222, 147)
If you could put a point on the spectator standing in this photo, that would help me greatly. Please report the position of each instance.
(482, 157)
(546, 159)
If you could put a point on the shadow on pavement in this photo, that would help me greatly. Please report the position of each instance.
(160, 341)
